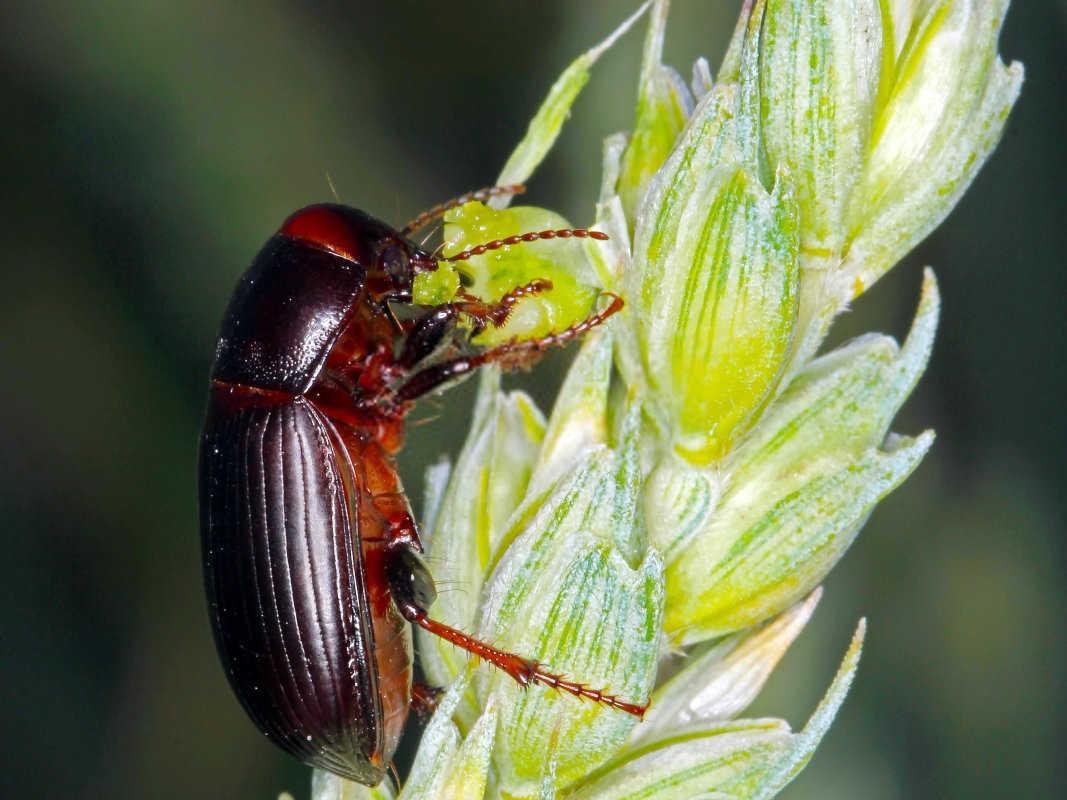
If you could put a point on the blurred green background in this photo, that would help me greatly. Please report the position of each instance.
(150, 148)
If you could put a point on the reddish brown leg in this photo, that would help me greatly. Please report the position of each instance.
(429, 330)
(424, 699)
(439, 210)
(496, 314)
(522, 670)
(513, 354)
(509, 356)
(395, 511)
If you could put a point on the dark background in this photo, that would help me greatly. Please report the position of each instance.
(149, 148)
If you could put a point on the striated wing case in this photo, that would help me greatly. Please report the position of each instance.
(285, 586)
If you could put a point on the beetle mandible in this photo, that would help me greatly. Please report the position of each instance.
(311, 553)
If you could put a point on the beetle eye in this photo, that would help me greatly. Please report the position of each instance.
(395, 263)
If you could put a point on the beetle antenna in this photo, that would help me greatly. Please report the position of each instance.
(532, 236)
(480, 195)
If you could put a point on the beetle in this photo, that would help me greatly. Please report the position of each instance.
(311, 554)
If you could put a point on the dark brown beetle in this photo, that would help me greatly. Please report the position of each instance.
(311, 554)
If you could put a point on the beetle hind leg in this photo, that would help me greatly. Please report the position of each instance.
(523, 671)
(414, 593)
(430, 330)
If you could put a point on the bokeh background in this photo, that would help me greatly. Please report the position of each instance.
(148, 148)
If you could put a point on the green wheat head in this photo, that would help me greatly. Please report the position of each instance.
(702, 469)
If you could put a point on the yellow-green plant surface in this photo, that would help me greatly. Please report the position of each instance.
(702, 469)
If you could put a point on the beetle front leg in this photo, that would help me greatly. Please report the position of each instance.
(430, 330)
(510, 355)
(434, 377)
(496, 314)
(427, 334)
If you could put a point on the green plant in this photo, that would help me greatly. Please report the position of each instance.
(702, 470)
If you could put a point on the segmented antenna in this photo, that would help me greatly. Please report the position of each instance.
(480, 195)
(533, 236)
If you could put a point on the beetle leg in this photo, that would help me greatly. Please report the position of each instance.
(496, 314)
(400, 525)
(427, 334)
(427, 380)
(510, 355)
(429, 330)
(413, 592)
(523, 671)
(424, 699)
